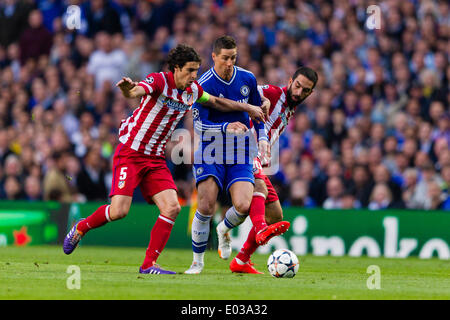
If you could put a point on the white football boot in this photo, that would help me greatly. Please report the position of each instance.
(196, 268)
(224, 245)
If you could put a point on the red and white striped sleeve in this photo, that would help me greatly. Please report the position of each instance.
(153, 84)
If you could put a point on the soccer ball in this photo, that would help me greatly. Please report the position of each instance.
(283, 263)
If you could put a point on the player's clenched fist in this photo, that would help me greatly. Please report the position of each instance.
(236, 128)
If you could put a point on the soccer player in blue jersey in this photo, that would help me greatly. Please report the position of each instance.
(224, 159)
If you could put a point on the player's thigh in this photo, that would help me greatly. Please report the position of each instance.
(167, 203)
(207, 192)
(125, 172)
(157, 178)
(120, 206)
(274, 212)
(240, 184)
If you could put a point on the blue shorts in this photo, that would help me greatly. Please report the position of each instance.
(224, 174)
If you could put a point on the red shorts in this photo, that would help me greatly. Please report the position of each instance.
(259, 174)
(132, 169)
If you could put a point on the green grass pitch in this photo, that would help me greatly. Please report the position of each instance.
(40, 272)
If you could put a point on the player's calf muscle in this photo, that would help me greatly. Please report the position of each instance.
(274, 213)
(261, 187)
(120, 206)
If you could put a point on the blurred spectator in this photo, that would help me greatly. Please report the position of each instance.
(36, 40)
(436, 197)
(55, 185)
(106, 63)
(33, 190)
(91, 178)
(381, 197)
(420, 198)
(298, 195)
(101, 17)
(13, 20)
(349, 201)
(381, 175)
(13, 189)
(335, 189)
(361, 185)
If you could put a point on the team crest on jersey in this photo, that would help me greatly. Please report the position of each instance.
(149, 80)
(121, 184)
(245, 90)
(190, 98)
(199, 171)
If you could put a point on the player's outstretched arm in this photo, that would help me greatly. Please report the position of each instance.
(227, 105)
(130, 89)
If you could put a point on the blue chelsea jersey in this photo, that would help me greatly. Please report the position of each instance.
(241, 87)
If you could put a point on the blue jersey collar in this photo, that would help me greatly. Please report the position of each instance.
(222, 80)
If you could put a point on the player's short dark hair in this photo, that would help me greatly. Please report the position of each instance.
(180, 55)
(224, 42)
(309, 73)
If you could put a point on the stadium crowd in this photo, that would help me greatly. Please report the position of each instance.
(374, 134)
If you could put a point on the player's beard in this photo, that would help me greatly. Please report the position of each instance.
(291, 102)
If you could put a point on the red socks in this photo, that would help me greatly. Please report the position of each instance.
(257, 211)
(95, 220)
(249, 246)
(158, 239)
(257, 215)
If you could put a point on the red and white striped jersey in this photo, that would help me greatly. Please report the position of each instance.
(279, 112)
(151, 125)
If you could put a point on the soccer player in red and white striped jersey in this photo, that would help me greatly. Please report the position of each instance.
(139, 159)
(283, 103)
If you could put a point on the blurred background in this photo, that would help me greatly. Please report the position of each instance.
(374, 134)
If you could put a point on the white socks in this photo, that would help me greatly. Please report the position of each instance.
(232, 219)
(200, 235)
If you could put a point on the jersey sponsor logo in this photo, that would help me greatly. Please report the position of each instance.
(243, 100)
(245, 90)
(266, 86)
(172, 104)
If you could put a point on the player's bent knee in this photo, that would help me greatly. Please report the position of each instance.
(242, 205)
(171, 210)
(117, 213)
